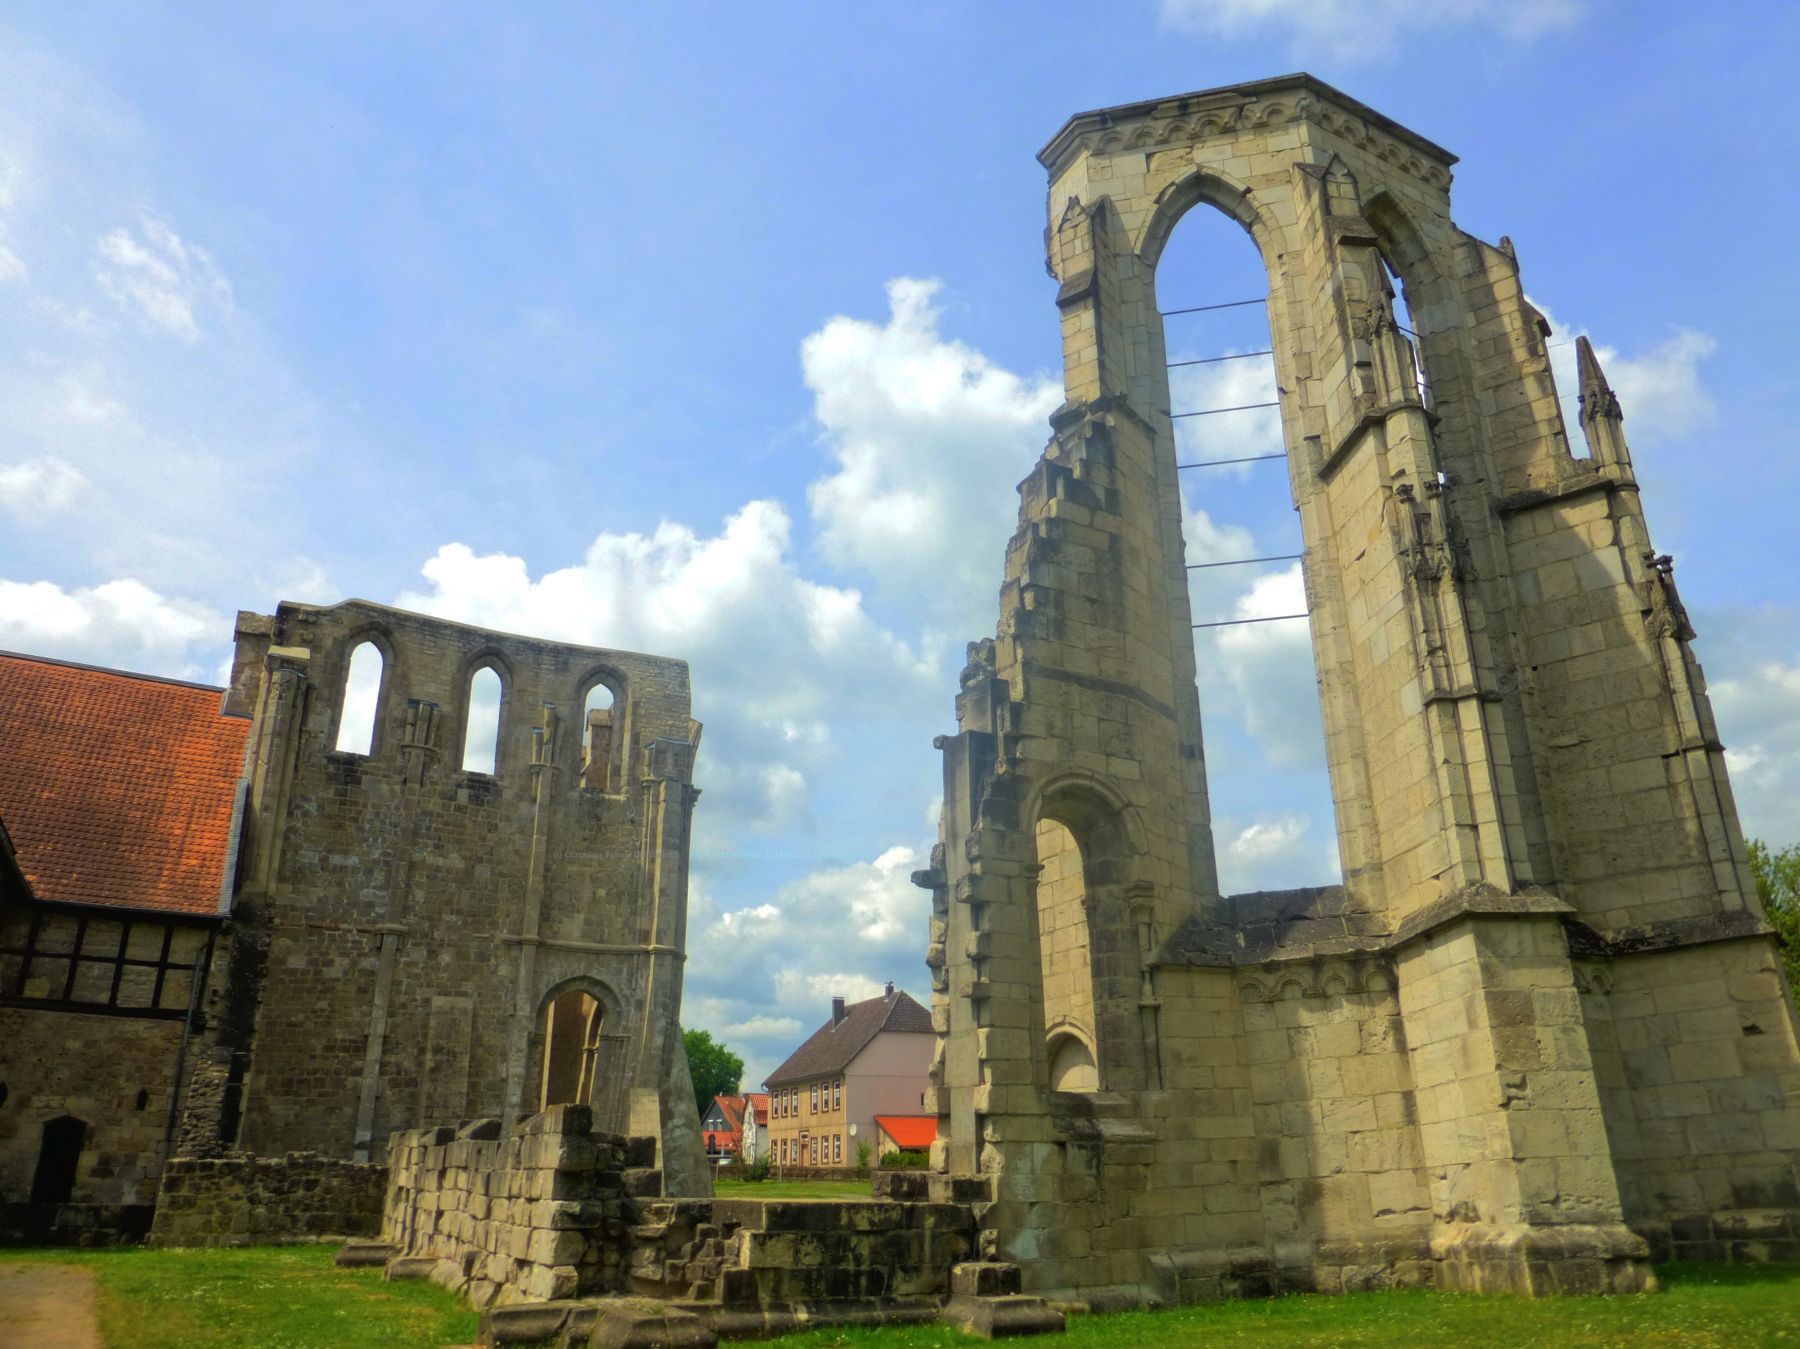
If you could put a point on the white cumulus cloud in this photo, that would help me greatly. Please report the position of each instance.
(121, 623)
(1271, 672)
(777, 658)
(39, 487)
(1660, 390)
(1758, 711)
(928, 437)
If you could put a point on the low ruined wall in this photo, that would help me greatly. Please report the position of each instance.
(536, 1213)
(252, 1201)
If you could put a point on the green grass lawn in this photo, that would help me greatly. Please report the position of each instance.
(1700, 1307)
(293, 1297)
(790, 1189)
(265, 1297)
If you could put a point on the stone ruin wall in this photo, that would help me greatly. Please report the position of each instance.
(536, 1214)
(402, 924)
(1539, 1033)
(260, 1201)
(555, 1209)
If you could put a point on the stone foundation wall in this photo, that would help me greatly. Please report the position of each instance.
(257, 1201)
(1699, 1076)
(557, 1210)
(536, 1214)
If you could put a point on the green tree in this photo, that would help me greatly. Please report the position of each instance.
(716, 1070)
(1778, 884)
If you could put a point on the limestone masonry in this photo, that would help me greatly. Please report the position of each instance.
(417, 942)
(1539, 1032)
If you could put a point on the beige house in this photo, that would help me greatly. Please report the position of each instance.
(870, 1059)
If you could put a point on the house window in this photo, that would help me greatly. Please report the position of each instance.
(815, 1098)
(815, 1152)
(837, 1094)
(837, 1148)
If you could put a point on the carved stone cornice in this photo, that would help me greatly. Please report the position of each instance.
(1186, 119)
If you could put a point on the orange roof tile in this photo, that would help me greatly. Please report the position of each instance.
(908, 1131)
(117, 788)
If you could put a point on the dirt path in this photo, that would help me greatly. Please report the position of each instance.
(48, 1307)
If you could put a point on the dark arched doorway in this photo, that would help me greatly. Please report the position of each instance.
(59, 1155)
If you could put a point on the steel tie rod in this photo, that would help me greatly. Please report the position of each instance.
(1234, 622)
(1206, 308)
(1213, 412)
(1246, 561)
(1214, 360)
(1247, 459)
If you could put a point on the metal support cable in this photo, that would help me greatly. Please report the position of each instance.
(1213, 412)
(1214, 360)
(1246, 561)
(1246, 459)
(1207, 308)
(1234, 622)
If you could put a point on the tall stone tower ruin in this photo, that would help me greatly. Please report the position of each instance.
(1539, 1031)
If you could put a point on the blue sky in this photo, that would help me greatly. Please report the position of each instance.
(723, 332)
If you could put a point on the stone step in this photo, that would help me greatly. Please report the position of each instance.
(363, 1254)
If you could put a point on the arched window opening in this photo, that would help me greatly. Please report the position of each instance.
(1403, 320)
(1065, 957)
(362, 700)
(1273, 819)
(572, 1025)
(143, 1098)
(599, 733)
(59, 1156)
(481, 736)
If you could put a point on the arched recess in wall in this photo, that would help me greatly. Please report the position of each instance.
(1274, 822)
(359, 705)
(573, 1022)
(481, 722)
(580, 1039)
(1090, 956)
(602, 735)
(1065, 960)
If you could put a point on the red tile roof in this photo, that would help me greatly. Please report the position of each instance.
(117, 788)
(732, 1108)
(908, 1131)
